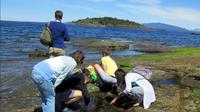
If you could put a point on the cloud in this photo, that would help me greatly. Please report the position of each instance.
(102, 0)
(81, 8)
(179, 14)
(145, 1)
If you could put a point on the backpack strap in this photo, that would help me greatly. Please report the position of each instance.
(48, 26)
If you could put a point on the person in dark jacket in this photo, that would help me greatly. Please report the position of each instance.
(71, 90)
(59, 35)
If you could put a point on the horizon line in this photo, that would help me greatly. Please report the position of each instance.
(95, 17)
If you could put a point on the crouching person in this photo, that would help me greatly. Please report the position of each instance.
(71, 91)
(135, 87)
(48, 74)
(107, 71)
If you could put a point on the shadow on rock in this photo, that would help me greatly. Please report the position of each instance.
(38, 109)
(38, 53)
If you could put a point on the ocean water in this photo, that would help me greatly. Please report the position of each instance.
(18, 38)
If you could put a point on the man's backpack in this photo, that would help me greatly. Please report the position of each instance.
(146, 73)
(46, 37)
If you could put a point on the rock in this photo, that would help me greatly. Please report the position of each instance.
(38, 53)
(142, 46)
(92, 88)
(150, 47)
(96, 44)
(161, 75)
(190, 81)
(35, 37)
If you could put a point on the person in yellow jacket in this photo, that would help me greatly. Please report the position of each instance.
(107, 71)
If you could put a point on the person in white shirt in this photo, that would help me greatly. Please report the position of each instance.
(49, 73)
(136, 86)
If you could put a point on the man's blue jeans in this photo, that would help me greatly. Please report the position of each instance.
(47, 92)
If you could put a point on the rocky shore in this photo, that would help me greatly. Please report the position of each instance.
(176, 73)
(114, 45)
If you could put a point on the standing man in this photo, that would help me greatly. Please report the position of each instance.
(48, 74)
(59, 35)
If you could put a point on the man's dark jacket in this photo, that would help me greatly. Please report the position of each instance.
(71, 82)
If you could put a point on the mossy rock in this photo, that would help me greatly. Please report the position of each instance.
(96, 44)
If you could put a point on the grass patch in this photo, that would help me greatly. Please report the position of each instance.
(176, 53)
(126, 63)
(172, 54)
(196, 92)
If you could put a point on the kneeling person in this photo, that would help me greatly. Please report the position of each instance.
(71, 91)
(136, 86)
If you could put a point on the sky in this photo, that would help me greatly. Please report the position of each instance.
(182, 13)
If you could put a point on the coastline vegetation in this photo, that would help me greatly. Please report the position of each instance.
(179, 55)
(109, 21)
(196, 92)
(172, 54)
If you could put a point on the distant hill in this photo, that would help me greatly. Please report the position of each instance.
(196, 30)
(166, 27)
(109, 21)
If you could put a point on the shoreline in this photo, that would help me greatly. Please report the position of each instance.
(95, 46)
(177, 63)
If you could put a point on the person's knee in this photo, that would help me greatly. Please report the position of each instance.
(74, 97)
(78, 93)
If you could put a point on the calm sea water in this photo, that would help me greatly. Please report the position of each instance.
(18, 38)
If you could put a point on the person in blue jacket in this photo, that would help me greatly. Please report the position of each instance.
(59, 34)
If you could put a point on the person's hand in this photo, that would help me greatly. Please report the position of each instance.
(113, 101)
(87, 80)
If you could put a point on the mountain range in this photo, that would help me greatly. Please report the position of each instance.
(166, 27)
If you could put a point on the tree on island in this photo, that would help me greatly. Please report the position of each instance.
(109, 21)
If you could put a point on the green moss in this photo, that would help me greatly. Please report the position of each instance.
(174, 53)
(196, 92)
(126, 63)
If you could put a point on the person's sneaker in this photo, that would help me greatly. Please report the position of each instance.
(67, 110)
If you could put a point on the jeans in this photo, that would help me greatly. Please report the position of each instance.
(138, 93)
(47, 92)
(107, 79)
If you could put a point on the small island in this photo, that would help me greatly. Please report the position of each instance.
(109, 21)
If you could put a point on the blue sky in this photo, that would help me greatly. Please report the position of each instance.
(183, 13)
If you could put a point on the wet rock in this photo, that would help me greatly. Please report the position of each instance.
(35, 37)
(149, 47)
(142, 46)
(167, 99)
(162, 75)
(195, 34)
(190, 81)
(95, 44)
(38, 53)
(92, 88)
